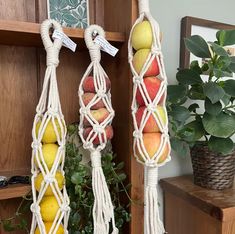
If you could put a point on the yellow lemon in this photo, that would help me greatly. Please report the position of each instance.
(49, 207)
(49, 152)
(48, 227)
(49, 135)
(59, 178)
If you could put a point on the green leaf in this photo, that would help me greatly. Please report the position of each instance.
(176, 93)
(221, 73)
(219, 50)
(76, 178)
(196, 93)
(229, 87)
(222, 125)
(213, 91)
(221, 145)
(226, 99)
(213, 109)
(198, 46)
(188, 77)
(226, 37)
(8, 226)
(205, 67)
(232, 67)
(198, 129)
(180, 113)
(193, 107)
(181, 148)
(195, 67)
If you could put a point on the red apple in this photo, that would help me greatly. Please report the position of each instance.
(152, 85)
(152, 143)
(87, 97)
(99, 115)
(139, 60)
(96, 141)
(151, 124)
(88, 85)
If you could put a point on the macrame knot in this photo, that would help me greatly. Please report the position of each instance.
(95, 54)
(36, 145)
(156, 51)
(95, 159)
(152, 176)
(138, 80)
(52, 56)
(35, 209)
(49, 178)
(64, 208)
(84, 111)
(101, 93)
(98, 129)
(52, 112)
(137, 134)
(87, 145)
(151, 108)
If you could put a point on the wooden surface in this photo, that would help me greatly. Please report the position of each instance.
(28, 34)
(195, 210)
(14, 191)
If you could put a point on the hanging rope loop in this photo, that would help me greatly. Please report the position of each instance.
(94, 49)
(52, 48)
(143, 6)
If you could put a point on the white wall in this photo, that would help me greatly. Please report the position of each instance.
(169, 13)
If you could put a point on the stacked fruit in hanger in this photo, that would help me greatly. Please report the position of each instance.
(98, 111)
(142, 40)
(49, 205)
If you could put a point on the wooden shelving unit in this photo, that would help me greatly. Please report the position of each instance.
(28, 34)
(14, 191)
(22, 69)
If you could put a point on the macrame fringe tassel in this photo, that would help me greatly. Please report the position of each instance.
(153, 223)
(103, 207)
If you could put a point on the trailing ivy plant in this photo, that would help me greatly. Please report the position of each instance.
(79, 185)
(201, 105)
(79, 188)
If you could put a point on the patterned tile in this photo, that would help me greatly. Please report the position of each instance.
(70, 13)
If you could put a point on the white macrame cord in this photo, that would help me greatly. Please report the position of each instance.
(152, 222)
(49, 110)
(103, 210)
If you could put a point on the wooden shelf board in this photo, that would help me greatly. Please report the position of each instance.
(14, 191)
(28, 34)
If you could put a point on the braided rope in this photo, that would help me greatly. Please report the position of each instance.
(48, 111)
(96, 139)
(152, 224)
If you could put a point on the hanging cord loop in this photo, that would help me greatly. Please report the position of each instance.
(49, 116)
(103, 210)
(52, 48)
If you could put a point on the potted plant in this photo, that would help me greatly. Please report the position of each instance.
(201, 111)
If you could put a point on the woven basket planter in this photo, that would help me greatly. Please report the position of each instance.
(212, 170)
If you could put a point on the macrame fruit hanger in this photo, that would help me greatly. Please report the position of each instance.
(96, 115)
(151, 140)
(50, 208)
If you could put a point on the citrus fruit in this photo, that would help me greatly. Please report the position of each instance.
(49, 207)
(49, 135)
(49, 152)
(59, 178)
